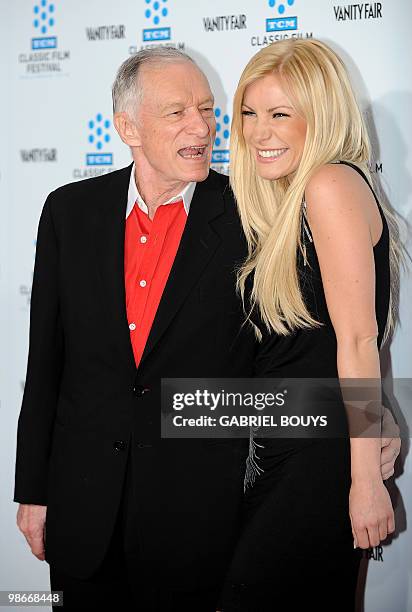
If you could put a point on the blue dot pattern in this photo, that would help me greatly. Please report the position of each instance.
(156, 10)
(281, 6)
(43, 12)
(222, 128)
(99, 131)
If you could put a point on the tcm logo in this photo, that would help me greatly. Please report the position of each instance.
(220, 154)
(281, 23)
(156, 11)
(43, 24)
(99, 136)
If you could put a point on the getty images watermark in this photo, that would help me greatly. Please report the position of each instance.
(282, 408)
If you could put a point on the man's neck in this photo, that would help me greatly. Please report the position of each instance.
(155, 191)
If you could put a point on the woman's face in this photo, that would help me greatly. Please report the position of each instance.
(272, 129)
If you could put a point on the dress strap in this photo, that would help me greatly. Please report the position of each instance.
(305, 231)
(305, 222)
(363, 175)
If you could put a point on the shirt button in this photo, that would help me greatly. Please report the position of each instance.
(143, 283)
(140, 390)
(132, 326)
(143, 239)
(119, 445)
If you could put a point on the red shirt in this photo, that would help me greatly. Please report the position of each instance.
(150, 249)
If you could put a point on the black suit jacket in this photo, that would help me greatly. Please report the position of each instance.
(83, 408)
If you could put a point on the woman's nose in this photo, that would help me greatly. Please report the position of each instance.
(262, 131)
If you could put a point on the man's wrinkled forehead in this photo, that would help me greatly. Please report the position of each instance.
(164, 91)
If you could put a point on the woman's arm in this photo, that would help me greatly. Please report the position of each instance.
(345, 225)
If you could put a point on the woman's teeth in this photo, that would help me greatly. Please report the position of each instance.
(273, 153)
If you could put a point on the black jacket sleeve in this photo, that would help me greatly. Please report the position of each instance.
(44, 369)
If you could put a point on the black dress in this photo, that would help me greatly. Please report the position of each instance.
(296, 548)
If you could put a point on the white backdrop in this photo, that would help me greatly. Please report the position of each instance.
(58, 61)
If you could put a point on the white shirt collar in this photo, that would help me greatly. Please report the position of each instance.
(134, 196)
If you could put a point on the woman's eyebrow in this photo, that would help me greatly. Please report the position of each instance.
(270, 110)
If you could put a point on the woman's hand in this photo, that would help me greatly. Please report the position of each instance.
(371, 512)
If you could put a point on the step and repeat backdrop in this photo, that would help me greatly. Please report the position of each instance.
(58, 62)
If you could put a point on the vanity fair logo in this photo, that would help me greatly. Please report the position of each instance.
(224, 22)
(25, 289)
(375, 553)
(38, 155)
(106, 32)
(357, 12)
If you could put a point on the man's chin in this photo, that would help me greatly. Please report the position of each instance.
(204, 174)
(198, 175)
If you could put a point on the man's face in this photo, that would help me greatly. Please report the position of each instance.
(176, 122)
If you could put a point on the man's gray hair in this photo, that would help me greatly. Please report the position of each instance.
(127, 91)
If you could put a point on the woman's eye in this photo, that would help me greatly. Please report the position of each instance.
(247, 113)
(280, 115)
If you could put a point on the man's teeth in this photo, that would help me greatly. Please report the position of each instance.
(192, 152)
(274, 153)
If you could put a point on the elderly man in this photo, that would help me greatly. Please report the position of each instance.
(134, 281)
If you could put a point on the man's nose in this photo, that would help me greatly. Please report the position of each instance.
(198, 125)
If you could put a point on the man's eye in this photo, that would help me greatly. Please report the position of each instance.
(208, 109)
(179, 112)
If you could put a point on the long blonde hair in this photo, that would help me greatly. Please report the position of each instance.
(317, 82)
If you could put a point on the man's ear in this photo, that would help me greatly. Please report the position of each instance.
(127, 129)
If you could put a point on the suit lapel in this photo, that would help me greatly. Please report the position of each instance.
(197, 246)
(109, 240)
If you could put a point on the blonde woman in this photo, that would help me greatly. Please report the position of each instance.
(316, 285)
